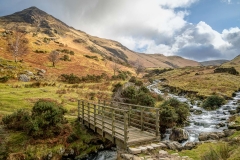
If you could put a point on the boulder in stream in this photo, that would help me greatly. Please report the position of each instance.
(178, 134)
(208, 136)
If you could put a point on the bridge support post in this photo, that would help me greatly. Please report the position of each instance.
(82, 112)
(141, 119)
(79, 110)
(88, 106)
(129, 116)
(113, 125)
(102, 110)
(125, 129)
(95, 129)
(157, 125)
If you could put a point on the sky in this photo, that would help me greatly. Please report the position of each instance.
(195, 29)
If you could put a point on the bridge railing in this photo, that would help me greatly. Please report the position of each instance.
(142, 117)
(105, 118)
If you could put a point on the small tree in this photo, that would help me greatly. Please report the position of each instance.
(116, 67)
(53, 57)
(138, 66)
(17, 42)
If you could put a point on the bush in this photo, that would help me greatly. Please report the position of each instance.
(231, 70)
(47, 117)
(173, 113)
(45, 121)
(213, 102)
(4, 79)
(141, 96)
(65, 58)
(18, 120)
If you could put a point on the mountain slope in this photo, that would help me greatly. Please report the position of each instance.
(233, 63)
(213, 62)
(47, 33)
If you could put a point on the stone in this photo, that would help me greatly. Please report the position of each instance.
(143, 149)
(136, 158)
(127, 156)
(197, 112)
(135, 150)
(229, 132)
(221, 124)
(174, 145)
(150, 148)
(163, 146)
(220, 134)
(178, 134)
(156, 146)
(203, 136)
(24, 78)
(190, 145)
(163, 153)
(29, 73)
(213, 136)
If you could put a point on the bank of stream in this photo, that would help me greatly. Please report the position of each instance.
(200, 121)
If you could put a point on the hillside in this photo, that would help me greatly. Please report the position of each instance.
(92, 54)
(214, 62)
(233, 63)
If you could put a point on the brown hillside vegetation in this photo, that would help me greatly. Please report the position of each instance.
(93, 55)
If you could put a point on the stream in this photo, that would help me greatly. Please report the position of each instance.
(206, 121)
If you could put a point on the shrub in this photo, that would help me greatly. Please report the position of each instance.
(4, 79)
(18, 120)
(213, 102)
(173, 113)
(141, 96)
(231, 70)
(45, 121)
(65, 58)
(47, 117)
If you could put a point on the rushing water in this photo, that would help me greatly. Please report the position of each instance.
(207, 121)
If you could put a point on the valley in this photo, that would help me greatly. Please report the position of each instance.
(92, 69)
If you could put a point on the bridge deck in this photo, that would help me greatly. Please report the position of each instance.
(135, 135)
(123, 126)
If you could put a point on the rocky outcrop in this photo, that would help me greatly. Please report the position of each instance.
(173, 145)
(211, 136)
(190, 145)
(24, 78)
(179, 134)
(234, 125)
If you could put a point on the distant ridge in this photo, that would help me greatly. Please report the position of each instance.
(214, 62)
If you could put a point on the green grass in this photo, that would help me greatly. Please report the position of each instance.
(206, 83)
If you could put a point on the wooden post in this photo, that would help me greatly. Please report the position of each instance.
(125, 129)
(82, 112)
(102, 121)
(141, 119)
(95, 118)
(113, 125)
(129, 116)
(157, 123)
(79, 110)
(88, 115)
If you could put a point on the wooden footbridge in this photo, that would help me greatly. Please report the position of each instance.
(123, 124)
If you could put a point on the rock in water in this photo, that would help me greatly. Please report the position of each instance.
(24, 78)
(179, 134)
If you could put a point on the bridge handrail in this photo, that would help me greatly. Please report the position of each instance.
(98, 109)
